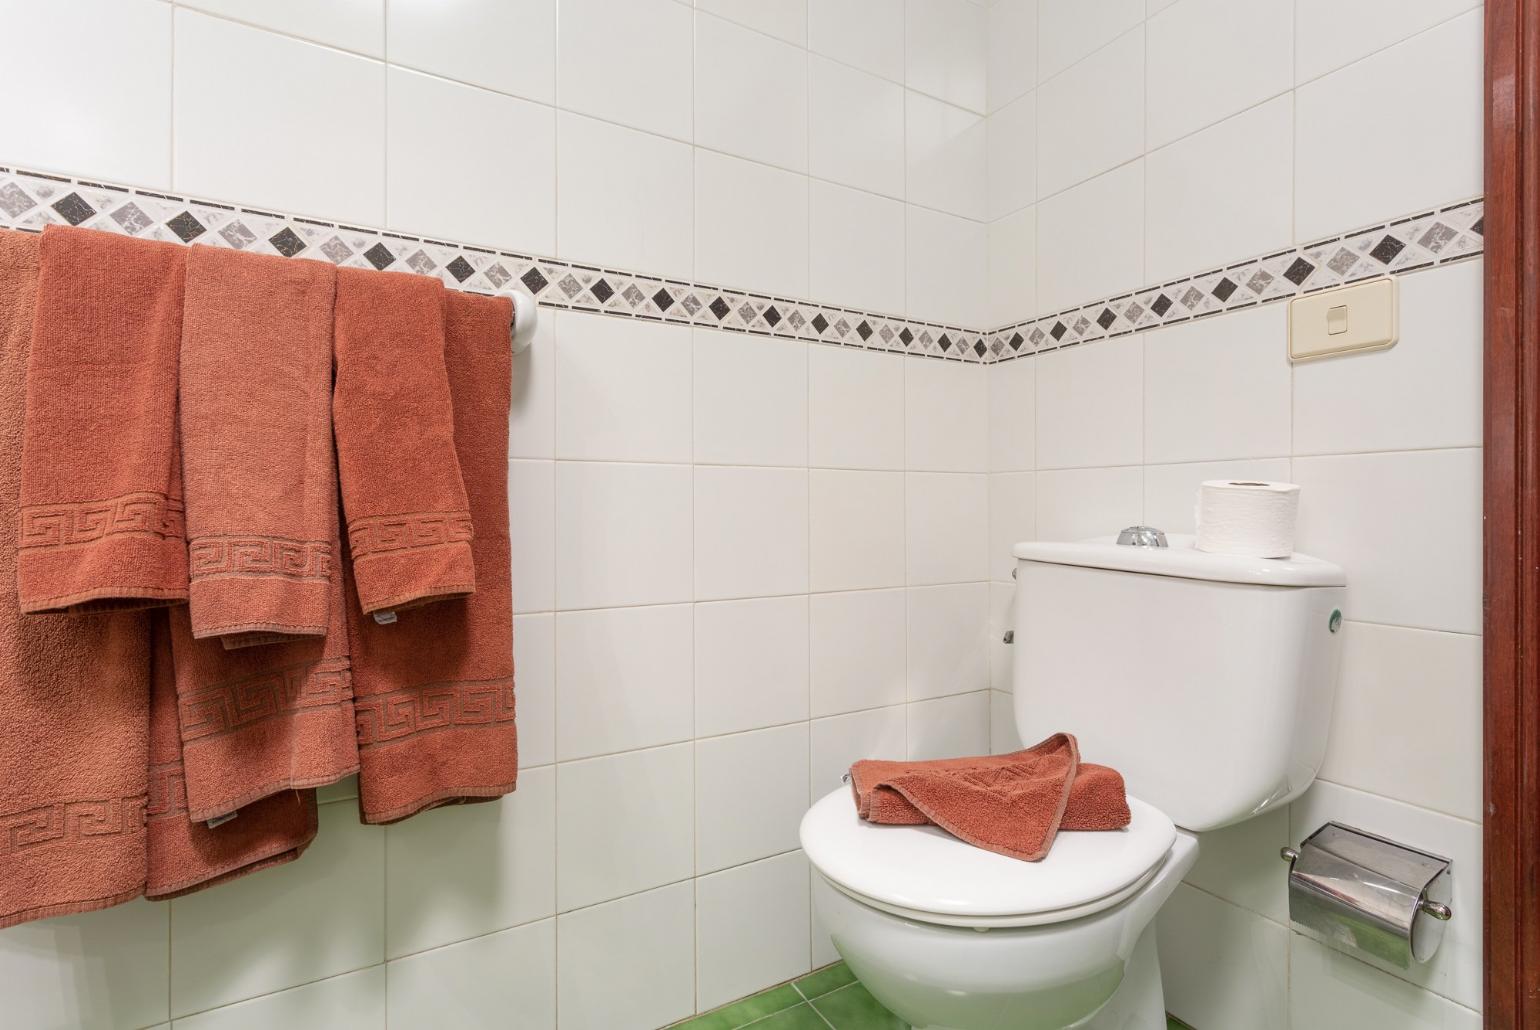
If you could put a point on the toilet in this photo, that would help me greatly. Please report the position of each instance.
(1206, 680)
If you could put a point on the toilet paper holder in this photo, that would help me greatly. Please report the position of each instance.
(1369, 894)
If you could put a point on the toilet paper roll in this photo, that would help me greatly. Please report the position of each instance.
(1246, 517)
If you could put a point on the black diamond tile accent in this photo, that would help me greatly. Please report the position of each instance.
(186, 227)
(978, 347)
(461, 269)
(662, 299)
(602, 291)
(1058, 330)
(905, 336)
(73, 208)
(1016, 341)
(720, 308)
(945, 342)
(1386, 250)
(1223, 288)
(1106, 318)
(1162, 304)
(1298, 271)
(864, 331)
(534, 281)
(287, 242)
(820, 323)
(772, 316)
(1480, 227)
(380, 257)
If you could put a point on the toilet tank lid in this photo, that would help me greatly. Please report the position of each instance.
(1184, 561)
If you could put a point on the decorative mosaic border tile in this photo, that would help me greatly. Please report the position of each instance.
(1409, 244)
(30, 200)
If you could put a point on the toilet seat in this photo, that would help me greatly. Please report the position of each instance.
(925, 874)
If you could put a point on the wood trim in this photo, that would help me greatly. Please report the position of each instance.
(1511, 903)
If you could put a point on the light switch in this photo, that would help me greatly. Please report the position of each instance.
(1350, 318)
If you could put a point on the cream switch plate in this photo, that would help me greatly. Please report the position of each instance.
(1350, 318)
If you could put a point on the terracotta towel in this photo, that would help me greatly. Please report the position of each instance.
(435, 689)
(409, 527)
(257, 444)
(101, 493)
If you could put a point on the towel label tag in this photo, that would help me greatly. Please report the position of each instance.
(218, 821)
(384, 618)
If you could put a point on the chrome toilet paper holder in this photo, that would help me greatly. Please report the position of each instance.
(1365, 893)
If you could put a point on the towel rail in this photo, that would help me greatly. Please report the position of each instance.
(526, 319)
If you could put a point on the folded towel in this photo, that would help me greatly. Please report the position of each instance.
(256, 377)
(101, 492)
(434, 689)
(409, 526)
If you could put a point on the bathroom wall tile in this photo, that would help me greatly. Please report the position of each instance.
(857, 651)
(1331, 35)
(622, 534)
(1328, 989)
(1012, 156)
(866, 33)
(110, 115)
(856, 408)
(1171, 491)
(944, 50)
(479, 982)
(1404, 695)
(509, 47)
(1369, 512)
(92, 971)
(308, 920)
(947, 727)
(947, 650)
(750, 793)
(1013, 268)
(1003, 737)
(357, 25)
(1423, 392)
(773, 899)
(353, 1001)
(855, 127)
(947, 419)
(1069, 30)
(1095, 232)
(1222, 965)
(1078, 503)
(947, 271)
(532, 534)
(623, 824)
(857, 529)
(751, 664)
(1010, 66)
(786, 19)
(642, 949)
(750, 94)
(1012, 416)
(947, 522)
(1012, 519)
(1376, 111)
(856, 254)
(1218, 387)
(1090, 404)
(751, 532)
(759, 246)
(622, 389)
(842, 740)
(1212, 58)
(1221, 194)
(534, 662)
(1239, 864)
(1002, 618)
(224, 77)
(750, 399)
(532, 406)
(945, 157)
(625, 679)
(643, 219)
(627, 63)
(1105, 90)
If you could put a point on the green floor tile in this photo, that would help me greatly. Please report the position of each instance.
(822, 981)
(853, 1008)
(741, 1013)
(800, 1018)
(1172, 1023)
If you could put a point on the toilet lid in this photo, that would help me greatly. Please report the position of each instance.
(925, 870)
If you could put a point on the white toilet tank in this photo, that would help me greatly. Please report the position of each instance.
(1206, 680)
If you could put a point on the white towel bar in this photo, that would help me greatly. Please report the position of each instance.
(526, 318)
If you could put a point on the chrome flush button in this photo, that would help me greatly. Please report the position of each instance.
(1142, 536)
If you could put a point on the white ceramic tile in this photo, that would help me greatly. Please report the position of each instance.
(1074, 504)
(1089, 404)
(1379, 110)
(534, 663)
(1152, 6)
(1013, 268)
(751, 664)
(622, 389)
(759, 246)
(640, 949)
(1332, 34)
(856, 248)
(1012, 156)
(1002, 724)
(1002, 618)
(946, 266)
(1329, 990)
(93, 971)
(947, 421)
(1171, 491)
(857, 651)
(1221, 965)
(111, 114)
(1069, 30)
(855, 127)
(750, 94)
(303, 921)
(856, 408)
(1095, 232)
(945, 51)
(751, 532)
(752, 928)
(866, 33)
(1011, 62)
(509, 47)
(750, 399)
(623, 824)
(642, 219)
(1012, 519)
(750, 795)
(1218, 387)
(947, 649)
(532, 408)
(945, 157)
(946, 526)
(1209, 59)
(1221, 194)
(225, 77)
(479, 982)
(1012, 416)
(1423, 392)
(354, 1001)
(627, 63)
(784, 18)
(622, 534)
(532, 534)
(346, 789)
(1369, 512)
(856, 530)
(357, 25)
(949, 727)
(625, 679)
(1090, 118)
(1237, 864)
(842, 740)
